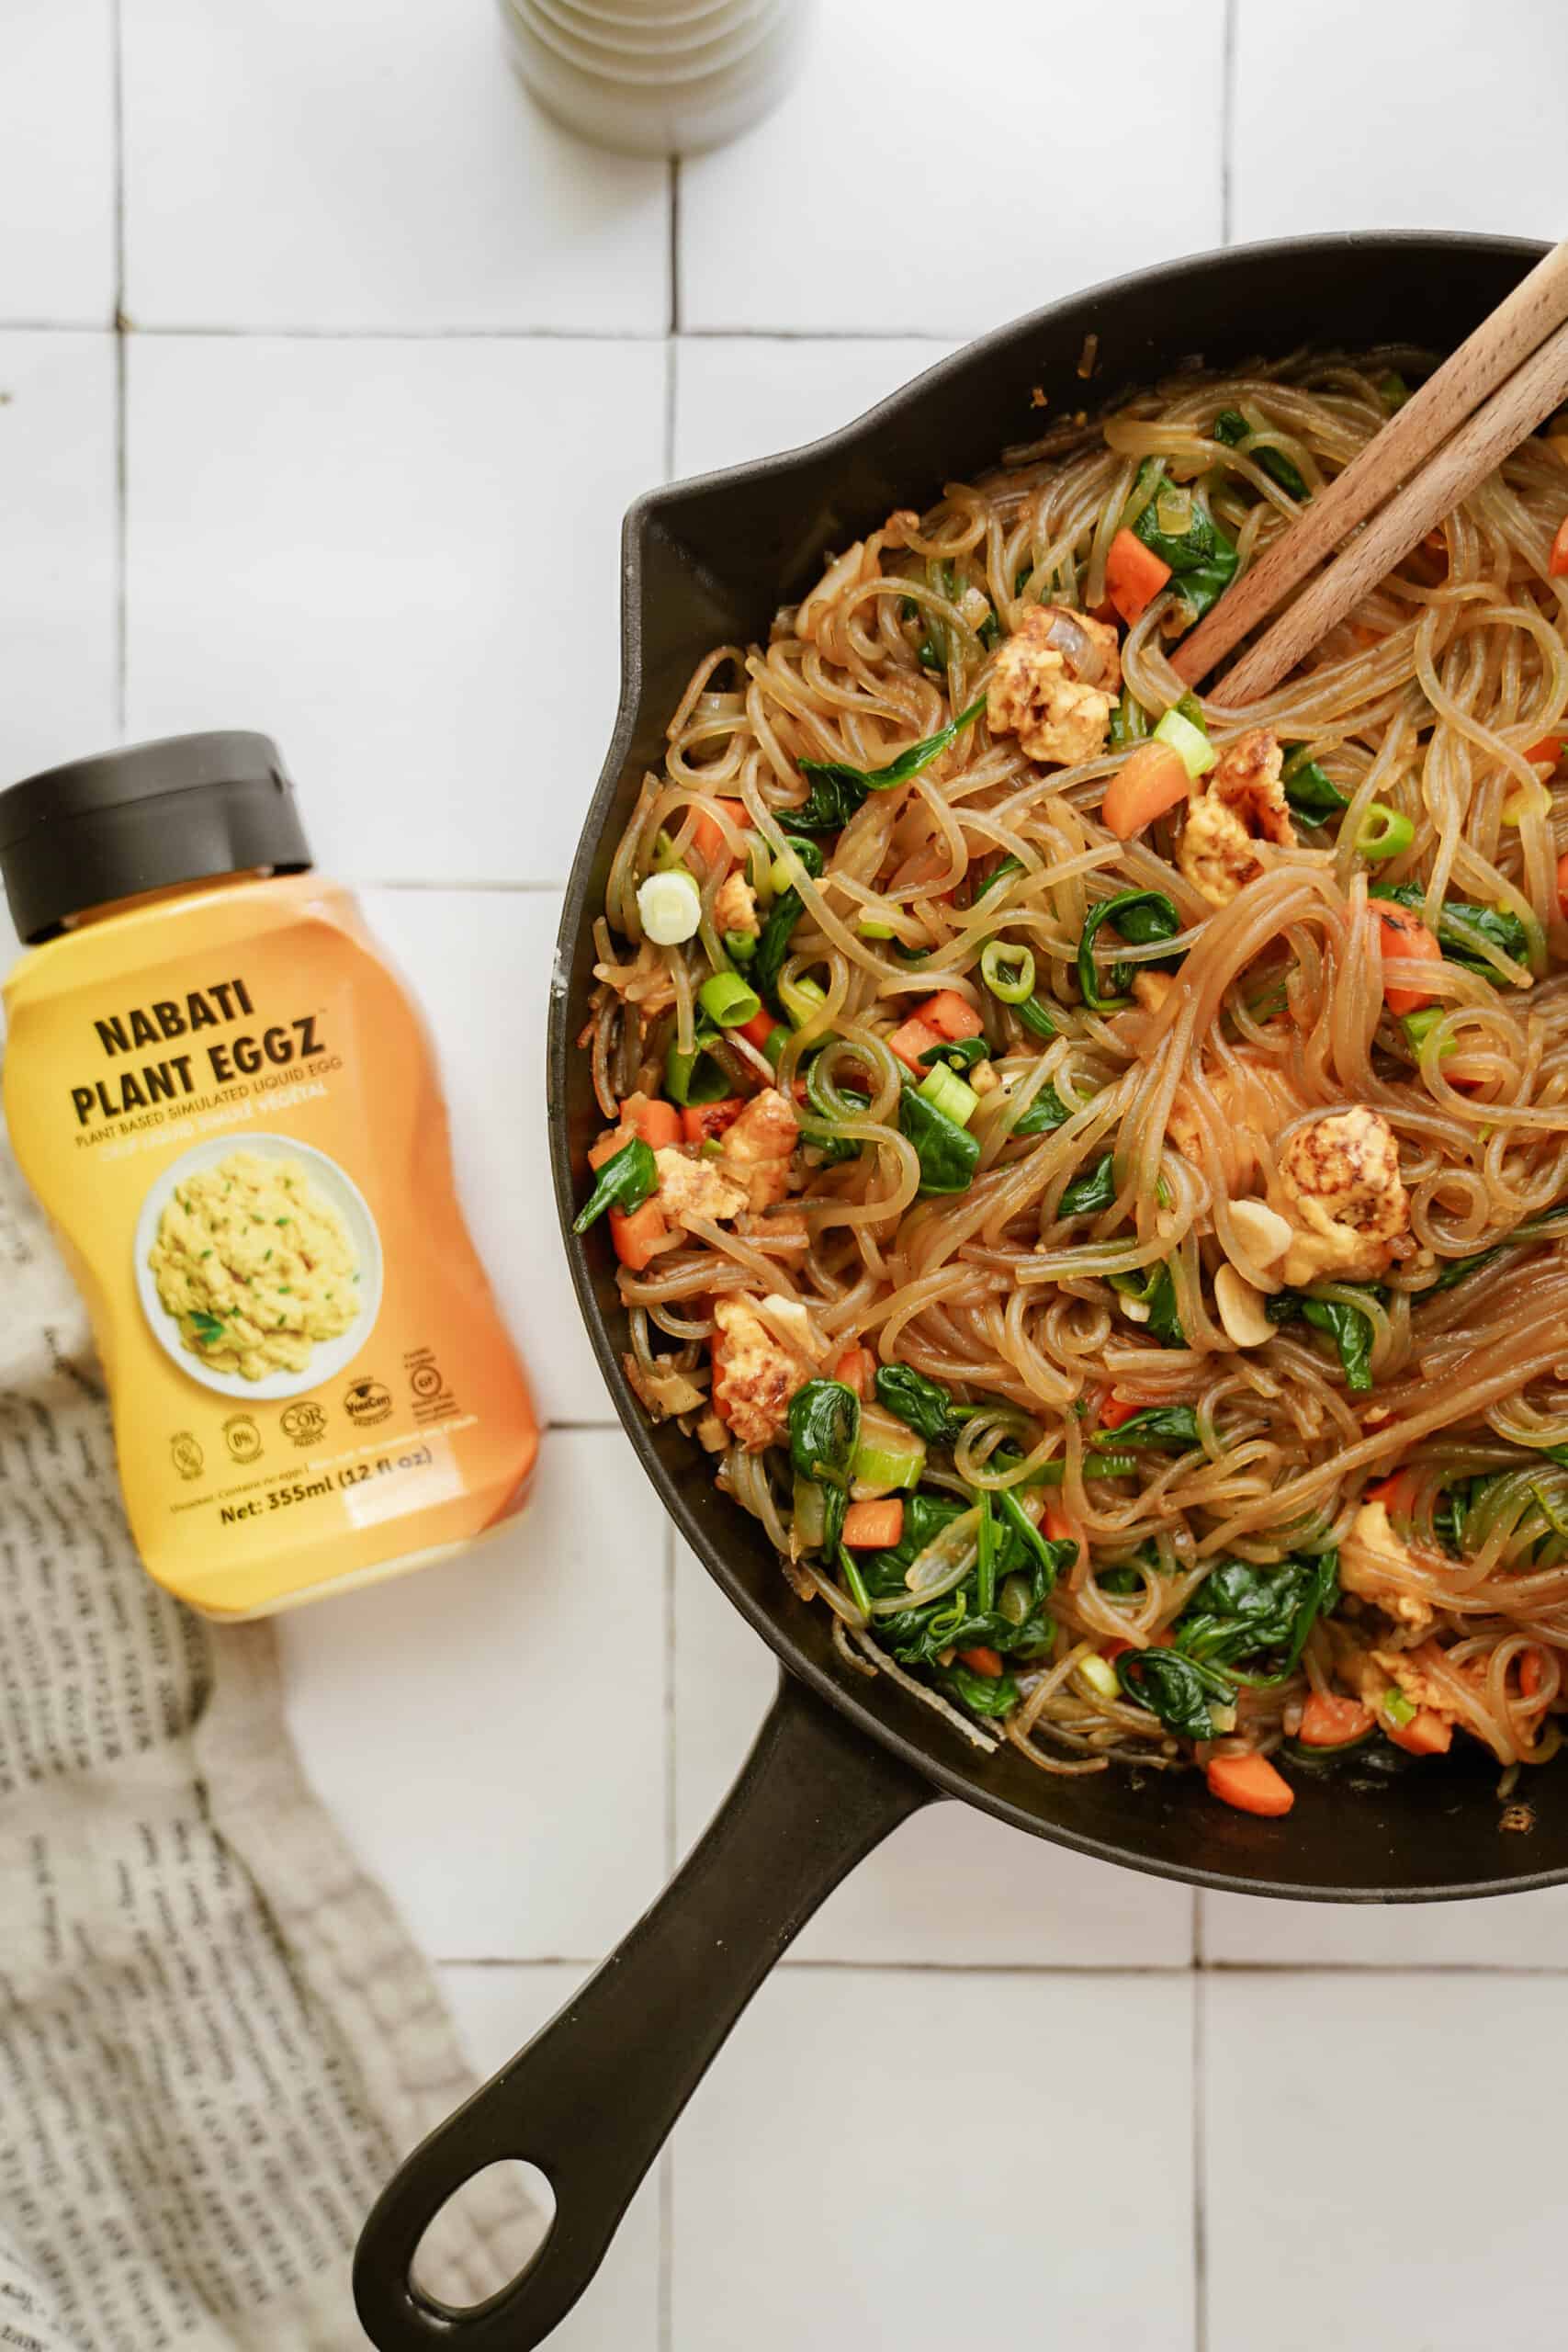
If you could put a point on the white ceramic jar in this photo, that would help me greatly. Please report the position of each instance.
(657, 77)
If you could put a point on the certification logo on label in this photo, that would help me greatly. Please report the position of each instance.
(187, 1454)
(241, 1437)
(304, 1422)
(366, 1401)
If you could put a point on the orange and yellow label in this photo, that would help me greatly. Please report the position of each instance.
(229, 1108)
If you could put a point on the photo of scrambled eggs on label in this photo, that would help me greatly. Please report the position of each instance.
(255, 1264)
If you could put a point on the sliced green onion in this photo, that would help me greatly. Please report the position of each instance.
(777, 1039)
(670, 906)
(870, 927)
(946, 1092)
(1418, 1027)
(1014, 1599)
(901, 1461)
(786, 872)
(1173, 509)
(1035, 1018)
(855, 1583)
(1189, 743)
(728, 999)
(694, 1077)
(740, 945)
(1397, 1707)
(810, 1513)
(1383, 832)
(1008, 972)
(802, 999)
(1393, 391)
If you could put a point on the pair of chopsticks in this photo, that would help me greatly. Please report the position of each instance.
(1451, 433)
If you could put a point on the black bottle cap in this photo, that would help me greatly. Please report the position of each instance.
(146, 818)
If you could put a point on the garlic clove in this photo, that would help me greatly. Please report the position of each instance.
(1241, 1309)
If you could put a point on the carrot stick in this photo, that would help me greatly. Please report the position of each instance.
(1329, 1721)
(856, 1368)
(1250, 1783)
(874, 1526)
(1404, 935)
(702, 1122)
(1134, 575)
(951, 1015)
(637, 1234)
(1149, 781)
(758, 1029)
(911, 1039)
(1425, 1735)
(1558, 564)
(981, 1660)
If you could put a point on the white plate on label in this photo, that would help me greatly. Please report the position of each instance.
(328, 1356)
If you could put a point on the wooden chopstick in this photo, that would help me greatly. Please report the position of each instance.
(1536, 307)
(1511, 415)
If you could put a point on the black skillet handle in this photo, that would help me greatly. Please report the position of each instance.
(594, 2094)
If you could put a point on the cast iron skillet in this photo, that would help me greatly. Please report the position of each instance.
(840, 1760)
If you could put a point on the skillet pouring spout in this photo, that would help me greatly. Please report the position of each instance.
(593, 2097)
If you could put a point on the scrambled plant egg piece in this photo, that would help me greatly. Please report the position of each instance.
(1243, 802)
(1371, 1549)
(735, 907)
(1346, 1197)
(691, 1186)
(256, 1265)
(755, 1149)
(754, 1376)
(1036, 694)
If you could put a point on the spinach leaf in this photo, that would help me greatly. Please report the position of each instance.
(948, 1153)
(1310, 792)
(982, 1694)
(1350, 1331)
(1157, 1289)
(773, 946)
(627, 1179)
(1460, 923)
(924, 1404)
(1009, 866)
(958, 1053)
(1232, 428)
(838, 789)
(1459, 1269)
(824, 1424)
(1243, 1612)
(1176, 1689)
(1119, 1581)
(1046, 1112)
(1172, 1428)
(1200, 556)
(1091, 1192)
(1140, 916)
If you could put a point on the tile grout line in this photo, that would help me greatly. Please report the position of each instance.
(121, 501)
(675, 304)
(1227, 121)
(1199, 2162)
(1070, 1971)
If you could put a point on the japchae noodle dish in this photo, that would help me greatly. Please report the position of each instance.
(1090, 1164)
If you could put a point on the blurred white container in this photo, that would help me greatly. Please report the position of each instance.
(657, 77)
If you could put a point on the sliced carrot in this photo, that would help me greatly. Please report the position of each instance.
(709, 840)
(606, 1148)
(1105, 610)
(1395, 1494)
(911, 1039)
(637, 1234)
(1404, 935)
(1058, 1526)
(1148, 782)
(1328, 1720)
(701, 1122)
(981, 1660)
(1563, 881)
(658, 1123)
(1365, 636)
(874, 1526)
(1425, 1733)
(951, 1015)
(1250, 1783)
(1117, 1410)
(1549, 749)
(856, 1368)
(1530, 1673)
(1134, 575)
(758, 1029)
(1558, 563)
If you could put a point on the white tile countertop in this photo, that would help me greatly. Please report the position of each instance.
(328, 368)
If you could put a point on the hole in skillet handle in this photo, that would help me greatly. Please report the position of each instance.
(486, 2236)
(593, 2097)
